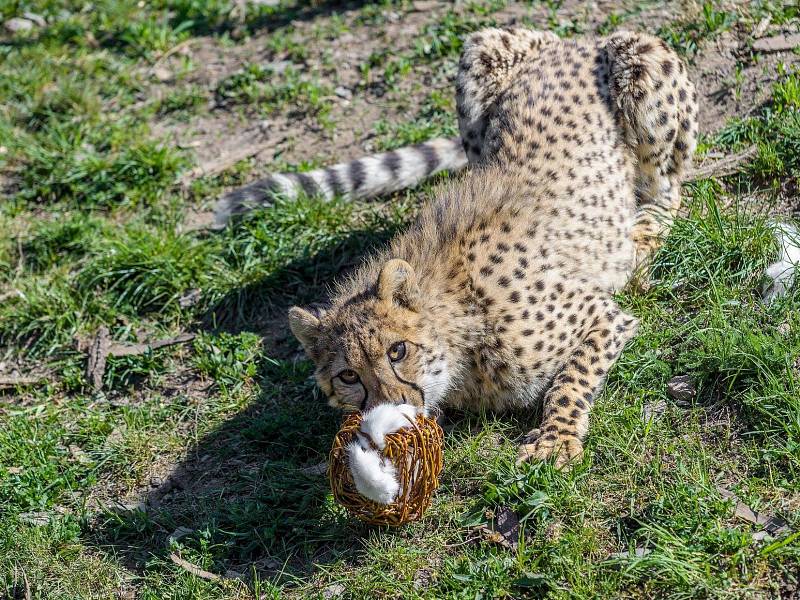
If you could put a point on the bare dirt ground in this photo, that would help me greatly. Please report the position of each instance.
(730, 80)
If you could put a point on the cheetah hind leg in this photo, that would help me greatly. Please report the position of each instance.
(485, 69)
(568, 401)
(658, 105)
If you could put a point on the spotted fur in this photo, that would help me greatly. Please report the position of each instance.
(502, 293)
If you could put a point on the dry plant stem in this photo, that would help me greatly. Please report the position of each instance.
(102, 347)
(722, 167)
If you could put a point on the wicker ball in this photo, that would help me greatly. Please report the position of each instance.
(415, 452)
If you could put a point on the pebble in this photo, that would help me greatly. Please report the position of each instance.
(343, 92)
(162, 74)
(17, 24)
(37, 19)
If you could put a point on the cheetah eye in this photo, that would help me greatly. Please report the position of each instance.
(348, 377)
(397, 351)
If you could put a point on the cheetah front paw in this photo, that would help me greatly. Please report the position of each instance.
(565, 449)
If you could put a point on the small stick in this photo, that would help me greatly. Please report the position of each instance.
(6, 382)
(193, 569)
(135, 349)
(226, 161)
(720, 168)
(102, 347)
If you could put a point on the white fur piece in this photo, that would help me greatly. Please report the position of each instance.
(783, 271)
(385, 419)
(375, 477)
(435, 386)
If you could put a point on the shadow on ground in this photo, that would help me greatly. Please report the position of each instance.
(253, 492)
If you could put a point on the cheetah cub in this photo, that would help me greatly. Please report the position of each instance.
(501, 295)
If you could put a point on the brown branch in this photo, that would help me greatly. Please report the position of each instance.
(7, 382)
(778, 43)
(102, 347)
(722, 167)
(225, 161)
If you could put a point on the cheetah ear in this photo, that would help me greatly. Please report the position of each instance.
(305, 324)
(397, 284)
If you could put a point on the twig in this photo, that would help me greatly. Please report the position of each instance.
(193, 569)
(98, 353)
(21, 255)
(224, 162)
(724, 166)
(117, 349)
(27, 584)
(771, 524)
(778, 43)
(102, 347)
(6, 382)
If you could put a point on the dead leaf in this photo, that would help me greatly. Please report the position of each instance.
(78, 455)
(722, 167)
(638, 552)
(179, 533)
(162, 74)
(189, 298)
(17, 24)
(651, 410)
(334, 590)
(115, 437)
(502, 529)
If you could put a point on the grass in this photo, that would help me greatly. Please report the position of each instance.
(221, 436)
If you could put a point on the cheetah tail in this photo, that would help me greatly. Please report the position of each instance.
(365, 177)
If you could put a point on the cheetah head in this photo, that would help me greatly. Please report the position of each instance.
(377, 346)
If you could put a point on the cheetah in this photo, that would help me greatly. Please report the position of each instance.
(501, 294)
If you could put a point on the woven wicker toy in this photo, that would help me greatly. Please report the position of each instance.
(415, 453)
